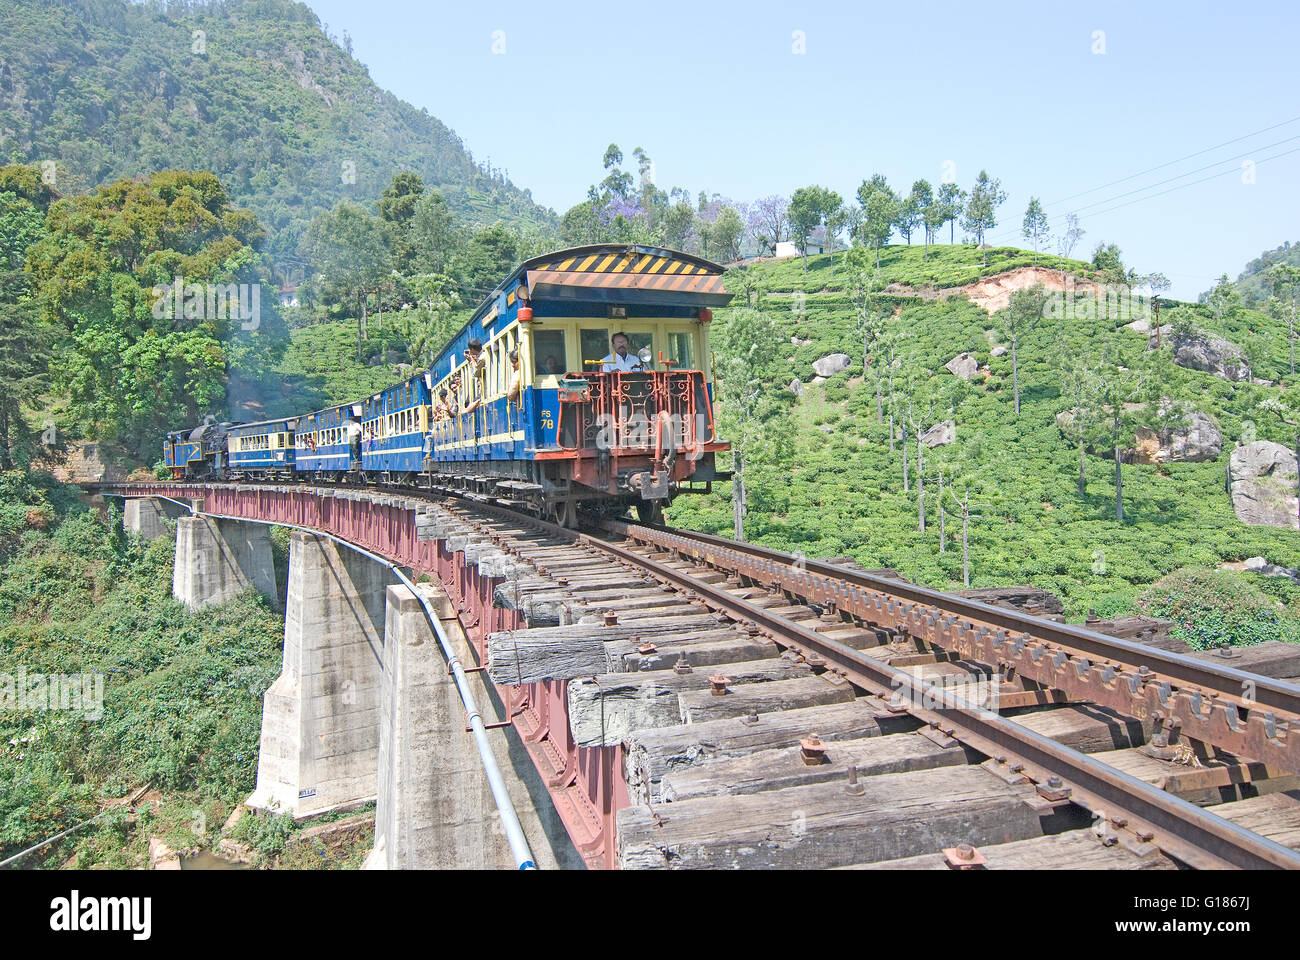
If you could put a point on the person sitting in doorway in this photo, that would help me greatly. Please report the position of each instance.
(514, 389)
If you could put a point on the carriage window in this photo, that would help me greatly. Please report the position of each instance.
(549, 356)
(638, 342)
(680, 352)
(595, 346)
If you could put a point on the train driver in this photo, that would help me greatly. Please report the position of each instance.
(620, 360)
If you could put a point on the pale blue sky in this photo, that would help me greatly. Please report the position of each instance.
(717, 97)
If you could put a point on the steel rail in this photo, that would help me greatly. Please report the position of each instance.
(1146, 813)
(1188, 670)
(1146, 816)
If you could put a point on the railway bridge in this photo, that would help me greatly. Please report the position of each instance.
(649, 698)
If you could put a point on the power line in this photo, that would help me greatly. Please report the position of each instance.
(1170, 163)
(1193, 183)
(1160, 183)
(1011, 231)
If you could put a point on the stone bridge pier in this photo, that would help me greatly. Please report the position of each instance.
(365, 708)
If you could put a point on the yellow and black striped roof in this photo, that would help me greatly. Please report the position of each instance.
(610, 258)
(624, 259)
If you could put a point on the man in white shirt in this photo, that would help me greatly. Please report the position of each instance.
(620, 360)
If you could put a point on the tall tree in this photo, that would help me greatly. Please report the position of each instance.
(1035, 227)
(933, 212)
(750, 415)
(869, 321)
(835, 217)
(807, 208)
(952, 200)
(1158, 283)
(1066, 242)
(981, 214)
(771, 216)
(909, 216)
(397, 208)
(1022, 314)
(347, 248)
(1080, 390)
(879, 212)
(1224, 301)
(133, 361)
(1283, 282)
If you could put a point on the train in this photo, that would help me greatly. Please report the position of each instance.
(581, 385)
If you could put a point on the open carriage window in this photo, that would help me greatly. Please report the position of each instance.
(680, 351)
(549, 357)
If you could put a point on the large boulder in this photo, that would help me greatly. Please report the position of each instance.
(1262, 479)
(963, 365)
(1199, 351)
(940, 435)
(998, 351)
(1194, 439)
(830, 365)
(796, 387)
(1197, 439)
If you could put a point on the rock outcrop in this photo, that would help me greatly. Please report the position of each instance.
(1262, 479)
(1195, 440)
(832, 364)
(796, 387)
(1199, 351)
(963, 365)
(940, 435)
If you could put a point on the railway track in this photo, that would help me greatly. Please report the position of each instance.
(775, 711)
(1117, 753)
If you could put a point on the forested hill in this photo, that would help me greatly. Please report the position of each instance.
(253, 90)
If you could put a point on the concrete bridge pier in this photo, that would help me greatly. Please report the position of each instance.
(219, 559)
(144, 516)
(320, 718)
(435, 809)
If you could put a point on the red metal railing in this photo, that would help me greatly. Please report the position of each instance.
(585, 783)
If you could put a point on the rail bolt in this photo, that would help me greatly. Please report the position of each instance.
(963, 857)
(1054, 789)
(646, 648)
(611, 618)
(682, 666)
(812, 750)
(854, 788)
(749, 719)
(718, 685)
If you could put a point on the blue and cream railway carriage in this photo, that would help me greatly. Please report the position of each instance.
(560, 426)
(262, 450)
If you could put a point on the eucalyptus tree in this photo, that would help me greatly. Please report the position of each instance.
(981, 214)
(1035, 227)
(951, 201)
(1022, 314)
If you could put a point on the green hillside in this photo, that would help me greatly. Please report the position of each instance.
(824, 480)
(252, 90)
